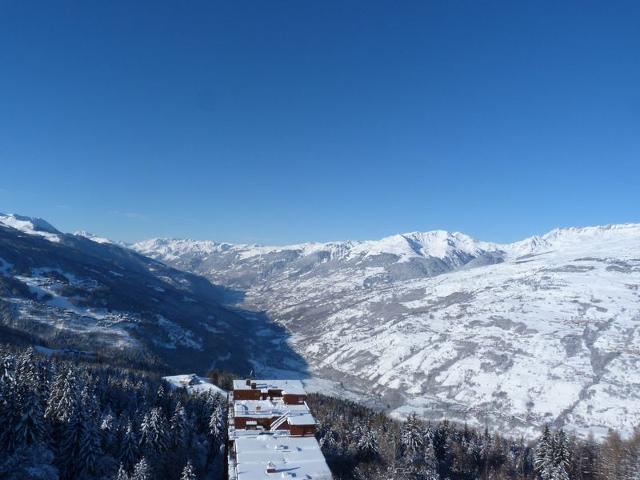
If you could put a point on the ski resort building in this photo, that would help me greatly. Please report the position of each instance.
(271, 433)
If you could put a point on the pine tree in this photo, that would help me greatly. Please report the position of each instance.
(9, 406)
(142, 470)
(30, 427)
(544, 454)
(154, 434)
(429, 469)
(635, 465)
(69, 446)
(63, 397)
(129, 447)
(90, 441)
(412, 435)
(217, 426)
(367, 441)
(122, 474)
(179, 426)
(187, 472)
(561, 456)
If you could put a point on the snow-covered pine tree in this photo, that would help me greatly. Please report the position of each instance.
(69, 445)
(154, 434)
(108, 431)
(9, 407)
(90, 439)
(429, 468)
(161, 400)
(561, 456)
(187, 472)
(63, 397)
(412, 435)
(122, 474)
(142, 470)
(29, 427)
(217, 426)
(367, 441)
(179, 426)
(543, 459)
(129, 448)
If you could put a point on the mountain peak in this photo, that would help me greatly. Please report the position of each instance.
(91, 236)
(31, 226)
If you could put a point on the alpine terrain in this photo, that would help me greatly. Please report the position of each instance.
(545, 330)
(85, 293)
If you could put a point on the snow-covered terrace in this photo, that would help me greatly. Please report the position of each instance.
(288, 387)
(267, 408)
(266, 456)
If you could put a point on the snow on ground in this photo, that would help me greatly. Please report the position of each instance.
(67, 313)
(551, 334)
(30, 226)
(92, 237)
(178, 335)
(194, 384)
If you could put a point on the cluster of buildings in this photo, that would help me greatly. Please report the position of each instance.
(271, 433)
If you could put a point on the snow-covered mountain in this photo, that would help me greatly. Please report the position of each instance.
(31, 226)
(69, 291)
(542, 330)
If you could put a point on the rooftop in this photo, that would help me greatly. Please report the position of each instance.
(303, 419)
(291, 387)
(290, 457)
(267, 408)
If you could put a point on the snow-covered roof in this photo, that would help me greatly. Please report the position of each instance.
(290, 387)
(303, 419)
(267, 408)
(289, 456)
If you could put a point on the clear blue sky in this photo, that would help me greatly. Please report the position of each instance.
(278, 122)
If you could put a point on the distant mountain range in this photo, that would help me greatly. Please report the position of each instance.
(511, 335)
(515, 335)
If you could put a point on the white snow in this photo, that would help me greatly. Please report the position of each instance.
(286, 454)
(30, 226)
(194, 384)
(178, 335)
(92, 237)
(551, 333)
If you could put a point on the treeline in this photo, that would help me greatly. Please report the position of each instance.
(63, 419)
(360, 443)
(82, 419)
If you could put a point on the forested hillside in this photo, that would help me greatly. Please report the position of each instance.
(85, 419)
(362, 444)
(77, 418)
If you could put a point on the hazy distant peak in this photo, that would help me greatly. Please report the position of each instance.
(92, 237)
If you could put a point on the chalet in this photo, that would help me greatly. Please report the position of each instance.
(271, 432)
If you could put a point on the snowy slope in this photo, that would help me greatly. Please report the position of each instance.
(545, 329)
(72, 292)
(30, 226)
(194, 384)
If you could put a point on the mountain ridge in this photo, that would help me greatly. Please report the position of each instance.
(533, 242)
(514, 335)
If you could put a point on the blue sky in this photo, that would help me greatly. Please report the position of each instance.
(278, 122)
